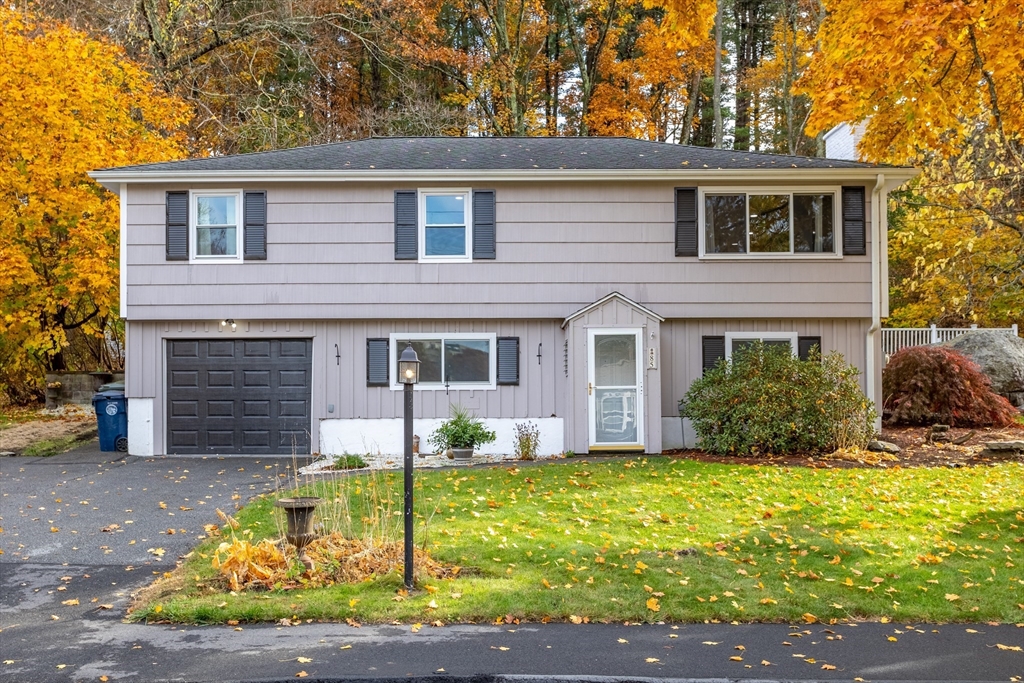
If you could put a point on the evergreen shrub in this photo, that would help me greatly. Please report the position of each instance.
(767, 401)
(924, 385)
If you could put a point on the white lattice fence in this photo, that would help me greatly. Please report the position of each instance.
(896, 338)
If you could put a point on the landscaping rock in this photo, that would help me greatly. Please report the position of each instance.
(883, 447)
(1000, 356)
(1005, 445)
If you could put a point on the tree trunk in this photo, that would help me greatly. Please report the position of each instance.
(686, 134)
(717, 104)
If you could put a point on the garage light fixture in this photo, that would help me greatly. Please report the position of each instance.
(229, 321)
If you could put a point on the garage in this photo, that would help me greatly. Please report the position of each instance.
(244, 396)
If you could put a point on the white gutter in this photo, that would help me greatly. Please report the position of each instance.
(878, 215)
(112, 178)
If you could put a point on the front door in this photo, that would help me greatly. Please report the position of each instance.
(615, 389)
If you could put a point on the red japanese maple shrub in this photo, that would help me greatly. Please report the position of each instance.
(925, 385)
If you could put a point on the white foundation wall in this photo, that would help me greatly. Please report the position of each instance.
(140, 426)
(384, 436)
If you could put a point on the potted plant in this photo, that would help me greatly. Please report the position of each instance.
(461, 433)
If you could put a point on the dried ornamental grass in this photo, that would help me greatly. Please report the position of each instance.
(336, 559)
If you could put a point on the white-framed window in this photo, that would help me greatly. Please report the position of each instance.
(445, 225)
(215, 226)
(462, 360)
(737, 341)
(770, 223)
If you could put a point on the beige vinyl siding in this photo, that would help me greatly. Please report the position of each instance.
(681, 359)
(560, 246)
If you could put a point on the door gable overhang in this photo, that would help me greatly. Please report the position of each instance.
(606, 300)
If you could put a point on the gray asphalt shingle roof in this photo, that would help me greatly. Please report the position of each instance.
(449, 153)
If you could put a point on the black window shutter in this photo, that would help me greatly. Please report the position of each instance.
(255, 233)
(377, 362)
(508, 360)
(686, 221)
(853, 221)
(177, 226)
(484, 236)
(805, 344)
(406, 233)
(713, 349)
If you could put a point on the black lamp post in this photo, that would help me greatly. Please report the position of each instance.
(408, 374)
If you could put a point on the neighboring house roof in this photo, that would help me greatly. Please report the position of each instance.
(478, 158)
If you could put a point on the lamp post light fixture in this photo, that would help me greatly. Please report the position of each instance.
(408, 375)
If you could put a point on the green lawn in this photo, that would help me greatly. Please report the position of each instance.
(653, 539)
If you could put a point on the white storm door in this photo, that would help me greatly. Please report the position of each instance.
(615, 387)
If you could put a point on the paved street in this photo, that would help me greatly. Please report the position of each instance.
(86, 526)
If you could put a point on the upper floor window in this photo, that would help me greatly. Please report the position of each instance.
(446, 225)
(216, 229)
(770, 223)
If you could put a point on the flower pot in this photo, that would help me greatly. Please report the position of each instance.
(299, 517)
(463, 453)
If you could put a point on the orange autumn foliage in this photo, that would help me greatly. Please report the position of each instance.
(71, 104)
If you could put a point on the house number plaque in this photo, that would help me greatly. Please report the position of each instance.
(652, 359)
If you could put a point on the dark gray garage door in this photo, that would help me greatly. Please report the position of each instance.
(247, 396)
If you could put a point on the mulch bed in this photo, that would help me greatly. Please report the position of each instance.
(917, 450)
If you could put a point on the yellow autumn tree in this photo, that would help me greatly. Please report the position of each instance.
(941, 86)
(70, 104)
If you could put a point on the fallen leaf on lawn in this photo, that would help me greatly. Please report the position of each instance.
(652, 604)
(809, 618)
(157, 609)
(1014, 648)
(575, 619)
(432, 604)
(416, 627)
(70, 603)
(431, 589)
(952, 596)
(352, 602)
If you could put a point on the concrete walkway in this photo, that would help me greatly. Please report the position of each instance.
(85, 526)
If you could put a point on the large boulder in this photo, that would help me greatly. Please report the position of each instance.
(1000, 356)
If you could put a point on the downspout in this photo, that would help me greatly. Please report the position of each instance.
(877, 216)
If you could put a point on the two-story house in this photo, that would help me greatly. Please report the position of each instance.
(579, 283)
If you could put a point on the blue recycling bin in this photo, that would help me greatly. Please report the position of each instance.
(111, 420)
